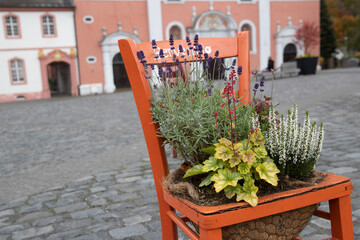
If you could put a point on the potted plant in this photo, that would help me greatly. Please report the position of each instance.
(307, 36)
(229, 151)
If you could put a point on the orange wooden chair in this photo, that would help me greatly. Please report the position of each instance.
(335, 189)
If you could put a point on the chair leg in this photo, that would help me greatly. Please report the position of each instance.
(341, 218)
(168, 227)
(210, 234)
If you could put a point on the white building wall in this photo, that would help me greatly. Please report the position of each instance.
(27, 47)
(31, 33)
(32, 68)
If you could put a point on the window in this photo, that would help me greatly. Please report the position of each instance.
(247, 25)
(17, 71)
(91, 59)
(88, 19)
(176, 32)
(48, 26)
(12, 26)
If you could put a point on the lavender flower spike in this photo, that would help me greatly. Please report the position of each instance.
(153, 43)
(171, 41)
(196, 40)
(239, 71)
(217, 53)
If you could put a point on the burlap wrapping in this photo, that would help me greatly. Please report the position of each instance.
(282, 226)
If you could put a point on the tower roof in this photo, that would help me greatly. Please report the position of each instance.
(37, 3)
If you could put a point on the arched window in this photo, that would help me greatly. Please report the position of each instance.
(12, 26)
(48, 25)
(17, 71)
(175, 31)
(289, 52)
(247, 27)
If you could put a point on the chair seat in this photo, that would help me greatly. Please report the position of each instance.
(333, 186)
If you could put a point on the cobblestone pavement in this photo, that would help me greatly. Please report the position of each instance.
(77, 168)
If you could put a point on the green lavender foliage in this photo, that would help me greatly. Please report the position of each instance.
(185, 116)
(294, 148)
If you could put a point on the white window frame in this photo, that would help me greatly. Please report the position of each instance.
(12, 25)
(17, 71)
(47, 25)
(172, 24)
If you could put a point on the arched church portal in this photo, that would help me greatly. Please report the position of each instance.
(121, 79)
(289, 52)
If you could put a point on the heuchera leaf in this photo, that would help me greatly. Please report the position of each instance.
(244, 168)
(268, 171)
(238, 146)
(223, 152)
(257, 138)
(248, 156)
(209, 150)
(195, 170)
(225, 141)
(260, 151)
(212, 164)
(230, 191)
(248, 193)
(207, 181)
(234, 161)
(224, 178)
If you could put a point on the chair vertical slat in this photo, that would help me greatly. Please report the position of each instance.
(142, 94)
(244, 61)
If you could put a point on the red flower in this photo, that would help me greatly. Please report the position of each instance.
(231, 111)
(215, 114)
(222, 105)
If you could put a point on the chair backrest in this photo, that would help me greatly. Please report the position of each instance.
(228, 47)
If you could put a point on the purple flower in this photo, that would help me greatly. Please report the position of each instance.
(177, 62)
(239, 71)
(161, 53)
(140, 55)
(153, 43)
(217, 53)
(233, 64)
(161, 71)
(256, 86)
(171, 41)
(262, 83)
(188, 41)
(181, 49)
(188, 52)
(155, 87)
(209, 91)
(196, 40)
(206, 56)
(261, 89)
(169, 70)
(152, 67)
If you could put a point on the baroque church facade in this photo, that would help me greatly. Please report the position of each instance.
(69, 47)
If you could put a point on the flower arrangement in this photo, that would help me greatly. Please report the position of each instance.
(232, 147)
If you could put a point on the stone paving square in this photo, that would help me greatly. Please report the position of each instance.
(77, 168)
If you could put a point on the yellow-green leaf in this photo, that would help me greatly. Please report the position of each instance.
(224, 178)
(268, 171)
(209, 150)
(195, 170)
(234, 161)
(207, 181)
(260, 151)
(257, 138)
(248, 193)
(238, 146)
(212, 164)
(248, 156)
(225, 141)
(223, 153)
(244, 168)
(230, 191)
